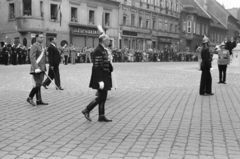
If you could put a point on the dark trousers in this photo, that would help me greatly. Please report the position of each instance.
(222, 73)
(100, 101)
(53, 74)
(206, 82)
(65, 60)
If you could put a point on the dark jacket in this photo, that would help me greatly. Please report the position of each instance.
(206, 59)
(101, 69)
(230, 46)
(54, 57)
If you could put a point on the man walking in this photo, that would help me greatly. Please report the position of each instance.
(37, 58)
(100, 79)
(54, 59)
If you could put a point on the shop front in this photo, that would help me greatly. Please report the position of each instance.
(164, 42)
(82, 36)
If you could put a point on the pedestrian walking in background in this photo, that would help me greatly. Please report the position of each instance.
(206, 77)
(38, 68)
(223, 61)
(100, 78)
(54, 59)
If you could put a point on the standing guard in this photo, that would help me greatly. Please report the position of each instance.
(206, 77)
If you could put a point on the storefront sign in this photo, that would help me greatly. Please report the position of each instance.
(165, 39)
(85, 31)
(129, 33)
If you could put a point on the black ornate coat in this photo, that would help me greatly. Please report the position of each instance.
(101, 69)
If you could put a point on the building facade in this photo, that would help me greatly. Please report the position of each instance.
(75, 23)
(195, 23)
(148, 24)
(223, 16)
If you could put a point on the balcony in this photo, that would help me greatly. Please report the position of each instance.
(29, 23)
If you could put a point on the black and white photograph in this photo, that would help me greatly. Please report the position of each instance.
(120, 79)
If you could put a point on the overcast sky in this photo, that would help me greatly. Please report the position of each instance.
(230, 3)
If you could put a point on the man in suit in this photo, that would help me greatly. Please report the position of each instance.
(37, 58)
(206, 77)
(100, 79)
(54, 59)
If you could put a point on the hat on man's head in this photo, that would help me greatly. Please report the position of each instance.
(102, 36)
(205, 39)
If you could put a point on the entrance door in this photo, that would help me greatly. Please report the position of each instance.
(79, 41)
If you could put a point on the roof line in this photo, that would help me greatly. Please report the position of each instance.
(203, 9)
(219, 21)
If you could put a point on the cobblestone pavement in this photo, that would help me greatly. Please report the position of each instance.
(157, 114)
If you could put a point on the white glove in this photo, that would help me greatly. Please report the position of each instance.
(101, 85)
(38, 70)
(211, 69)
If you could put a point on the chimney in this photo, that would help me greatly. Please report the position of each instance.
(205, 5)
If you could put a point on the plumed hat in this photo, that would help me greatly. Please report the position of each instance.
(102, 36)
(205, 39)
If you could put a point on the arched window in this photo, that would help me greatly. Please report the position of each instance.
(24, 42)
(63, 43)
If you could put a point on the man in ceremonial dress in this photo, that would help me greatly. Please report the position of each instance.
(38, 68)
(100, 79)
(206, 65)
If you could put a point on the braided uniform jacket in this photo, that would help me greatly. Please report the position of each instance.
(101, 69)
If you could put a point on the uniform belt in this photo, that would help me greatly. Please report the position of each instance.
(222, 58)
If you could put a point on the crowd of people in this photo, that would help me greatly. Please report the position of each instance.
(19, 54)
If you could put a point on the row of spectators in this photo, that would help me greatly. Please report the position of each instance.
(18, 54)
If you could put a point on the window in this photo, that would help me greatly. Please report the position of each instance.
(198, 29)
(124, 20)
(202, 30)
(107, 19)
(166, 25)
(91, 17)
(54, 11)
(140, 22)
(132, 20)
(11, 11)
(171, 28)
(177, 8)
(189, 27)
(27, 7)
(194, 27)
(154, 24)
(184, 26)
(206, 30)
(73, 14)
(147, 23)
(172, 7)
(162, 3)
(176, 28)
(41, 8)
(160, 27)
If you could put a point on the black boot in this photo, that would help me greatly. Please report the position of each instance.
(102, 117)
(30, 100)
(39, 98)
(89, 108)
(85, 112)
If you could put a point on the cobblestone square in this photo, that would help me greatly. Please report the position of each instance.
(157, 113)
